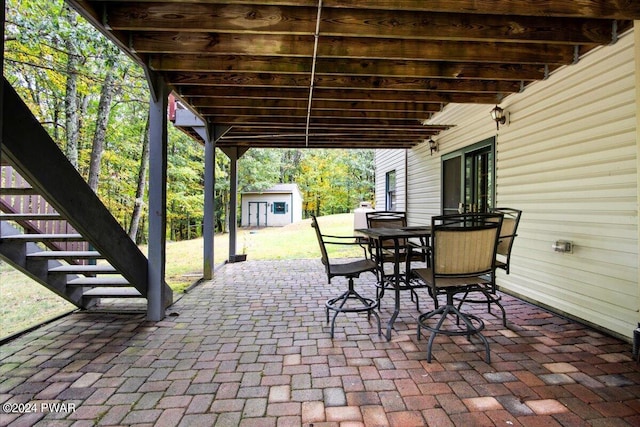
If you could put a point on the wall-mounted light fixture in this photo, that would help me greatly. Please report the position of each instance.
(433, 145)
(499, 116)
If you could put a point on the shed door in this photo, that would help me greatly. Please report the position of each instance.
(257, 214)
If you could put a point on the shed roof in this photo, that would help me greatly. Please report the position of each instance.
(278, 188)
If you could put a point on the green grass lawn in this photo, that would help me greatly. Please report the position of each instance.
(25, 303)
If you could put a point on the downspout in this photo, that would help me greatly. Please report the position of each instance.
(406, 181)
(636, 42)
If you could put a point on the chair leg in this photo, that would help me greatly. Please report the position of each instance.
(338, 305)
(466, 319)
(446, 310)
(491, 298)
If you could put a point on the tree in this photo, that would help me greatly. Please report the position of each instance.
(259, 169)
(140, 188)
(71, 94)
(102, 120)
(97, 112)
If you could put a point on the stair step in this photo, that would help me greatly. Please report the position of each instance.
(84, 269)
(99, 281)
(108, 292)
(30, 217)
(18, 191)
(38, 237)
(66, 254)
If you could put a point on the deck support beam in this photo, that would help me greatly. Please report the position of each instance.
(234, 153)
(212, 135)
(209, 220)
(157, 198)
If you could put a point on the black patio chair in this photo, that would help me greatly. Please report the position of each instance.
(409, 251)
(350, 270)
(508, 232)
(463, 258)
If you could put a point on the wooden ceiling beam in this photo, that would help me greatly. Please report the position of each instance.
(406, 24)
(191, 92)
(623, 9)
(416, 84)
(344, 82)
(416, 131)
(349, 47)
(418, 107)
(339, 66)
(348, 114)
(363, 145)
(324, 121)
(379, 70)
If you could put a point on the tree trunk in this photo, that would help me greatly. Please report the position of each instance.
(70, 100)
(142, 180)
(102, 120)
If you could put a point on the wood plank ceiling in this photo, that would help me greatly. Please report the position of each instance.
(351, 73)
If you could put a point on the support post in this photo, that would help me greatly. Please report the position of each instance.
(157, 200)
(208, 229)
(233, 203)
(234, 153)
(2, 18)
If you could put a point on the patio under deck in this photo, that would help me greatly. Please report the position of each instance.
(251, 348)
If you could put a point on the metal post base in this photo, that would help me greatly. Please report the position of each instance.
(338, 306)
(473, 327)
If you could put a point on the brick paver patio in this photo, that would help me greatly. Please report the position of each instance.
(251, 348)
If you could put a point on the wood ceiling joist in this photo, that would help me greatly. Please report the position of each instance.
(396, 140)
(416, 107)
(345, 82)
(406, 24)
(220, 112)
(299, 120)
(192, 92)
(621, 9)
(359, 95)
(344, 130)
(371, 71)
(320, 143)
(340, 66)
(349, 47)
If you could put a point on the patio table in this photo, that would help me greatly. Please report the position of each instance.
(400, 237)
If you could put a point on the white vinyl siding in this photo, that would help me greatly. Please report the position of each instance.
(388, 161)
(424, 189)
(568, 159)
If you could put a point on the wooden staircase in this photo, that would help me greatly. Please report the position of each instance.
(38, 241)
(53, 227)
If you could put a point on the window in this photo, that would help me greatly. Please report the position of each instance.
(390, 192)
(468, 179)
(279, 208)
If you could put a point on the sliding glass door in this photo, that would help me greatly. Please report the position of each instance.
(468, 179)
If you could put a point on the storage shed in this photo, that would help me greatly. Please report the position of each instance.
(278, 206)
